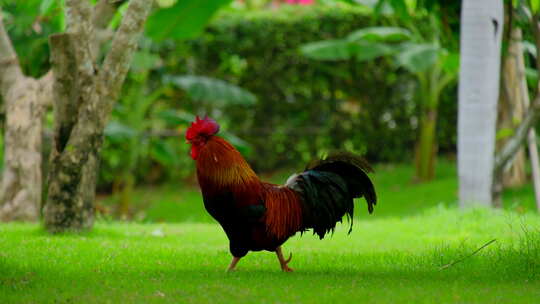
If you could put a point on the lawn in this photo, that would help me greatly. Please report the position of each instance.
(175, 253)
(386, 260)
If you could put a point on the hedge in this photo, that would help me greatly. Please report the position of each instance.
(306, 108)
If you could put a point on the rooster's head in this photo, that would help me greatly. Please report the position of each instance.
(199, 132)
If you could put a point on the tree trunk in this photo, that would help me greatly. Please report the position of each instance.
(520, 134)
(481, 29)
(20, 193)
(511, 110)
(531, 137)
(535, 164)
(69, 172)
(124, 193)
(84, 97)
(70, 200)
(25, 99)
(426, 149)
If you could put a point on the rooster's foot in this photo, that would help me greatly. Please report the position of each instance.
(232, 267)
(284, 263)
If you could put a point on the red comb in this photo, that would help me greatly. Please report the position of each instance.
(205, 127)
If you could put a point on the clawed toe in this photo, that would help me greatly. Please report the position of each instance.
(284, 262)
(286, 268)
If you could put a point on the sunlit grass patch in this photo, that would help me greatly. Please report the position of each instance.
(387, 260)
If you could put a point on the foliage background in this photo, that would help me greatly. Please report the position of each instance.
(305, 108)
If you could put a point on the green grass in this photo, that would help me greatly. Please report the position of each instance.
(392, 256)
(398, 196)
(386, 260)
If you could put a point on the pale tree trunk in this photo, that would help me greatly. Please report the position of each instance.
(516, 51)
(531, 137)
(21, 183)
(84, 96)
(526, 127)
(481, 29)
(25, 100)
(511, 109)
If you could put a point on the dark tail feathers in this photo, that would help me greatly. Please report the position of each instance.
(353, 169)
(329, 186)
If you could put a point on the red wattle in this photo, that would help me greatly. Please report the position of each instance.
(194, 153)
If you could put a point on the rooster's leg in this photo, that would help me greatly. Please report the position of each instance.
(282, 261)
(233, 264)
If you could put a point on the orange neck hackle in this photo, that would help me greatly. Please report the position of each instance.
(220, 165)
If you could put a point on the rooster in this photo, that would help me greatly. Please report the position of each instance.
(256, 215)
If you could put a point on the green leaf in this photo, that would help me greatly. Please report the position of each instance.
(164, 153)
(214, 90)
(383, 7)
(369, 3)
(143, 61)
(165, 3)
(45, 7)
(400, 8)
(392, 7)
(529, 47)
(62, 17)
(417, 57)
(380, 33)
(184, 20)
(503, 133)
(535, 5)
(335, 50)
(174, 117)
(532, 76)
(332, 50)
(365, 50)
(117, 130)
(237, 142)
(450, 63)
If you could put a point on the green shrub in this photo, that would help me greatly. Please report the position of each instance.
(305, 107)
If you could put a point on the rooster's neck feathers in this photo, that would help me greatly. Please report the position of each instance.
(220, 165)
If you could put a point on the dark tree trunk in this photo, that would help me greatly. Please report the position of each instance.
(426, 149)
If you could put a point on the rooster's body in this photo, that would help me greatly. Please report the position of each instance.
(261, 216)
